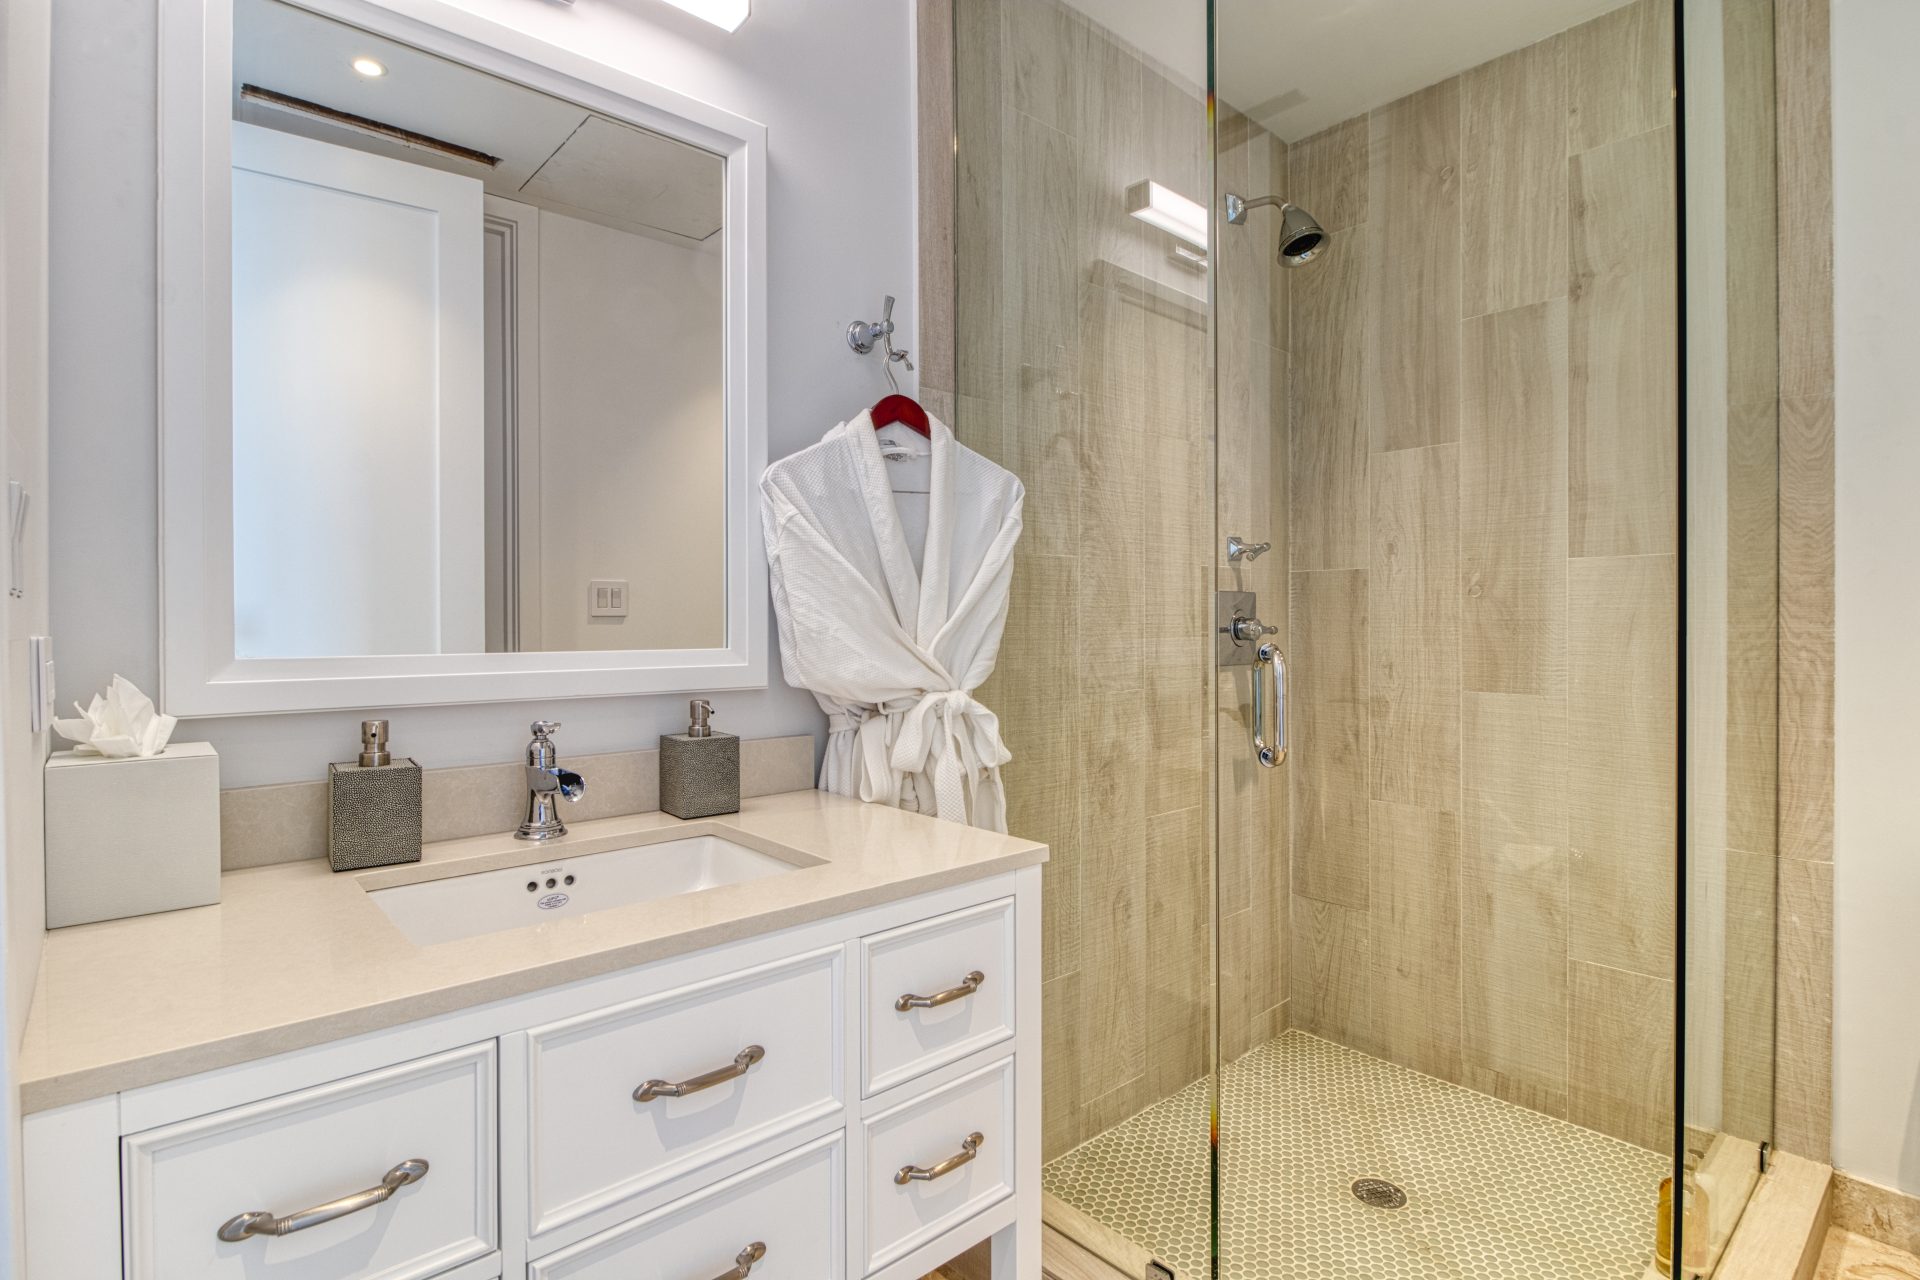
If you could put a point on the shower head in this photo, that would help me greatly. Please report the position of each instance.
(1301, 236)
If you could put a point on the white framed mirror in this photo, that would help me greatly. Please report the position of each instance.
(462, 367)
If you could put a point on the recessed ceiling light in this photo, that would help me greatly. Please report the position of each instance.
(1170, 211)
(371, 68)
(726, 14)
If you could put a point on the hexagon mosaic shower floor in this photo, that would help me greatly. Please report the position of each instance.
(1494, 1191)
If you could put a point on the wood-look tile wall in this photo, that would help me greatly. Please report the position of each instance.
(1251, 483)
(1804, 1057)
(1732, 572)
(1082, 364)
(1484, 459)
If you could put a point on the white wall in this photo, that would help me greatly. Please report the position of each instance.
(831, 79)
(1876, 128)
(632, 447)
(24, 28)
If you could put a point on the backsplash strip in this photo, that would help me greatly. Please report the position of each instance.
(260, 826)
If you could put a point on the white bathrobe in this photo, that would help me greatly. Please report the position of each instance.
(894, 653)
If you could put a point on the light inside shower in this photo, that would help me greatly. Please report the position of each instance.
(1167, 209)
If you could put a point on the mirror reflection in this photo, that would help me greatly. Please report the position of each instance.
(478, 360)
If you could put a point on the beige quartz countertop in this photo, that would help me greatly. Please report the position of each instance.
(295, 955)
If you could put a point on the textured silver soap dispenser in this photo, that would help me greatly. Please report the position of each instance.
(699, 769)
(373, 806)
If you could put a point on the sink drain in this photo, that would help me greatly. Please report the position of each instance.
(1379, 1193)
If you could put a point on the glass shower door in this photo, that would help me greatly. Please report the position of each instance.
(1082, 178)
(1446, 345)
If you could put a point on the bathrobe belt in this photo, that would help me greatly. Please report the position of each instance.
(943, 734)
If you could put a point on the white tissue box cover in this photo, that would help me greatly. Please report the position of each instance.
(132, 836)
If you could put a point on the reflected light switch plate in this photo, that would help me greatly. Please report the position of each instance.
(607, 598)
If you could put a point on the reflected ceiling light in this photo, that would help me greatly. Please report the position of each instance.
(725, 14)
(371, 68)
(1167, 209)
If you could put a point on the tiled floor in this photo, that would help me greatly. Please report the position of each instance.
(1494, 1191)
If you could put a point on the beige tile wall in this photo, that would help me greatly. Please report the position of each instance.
(1733, 579)
(1483, 505)
(1804, 1060)
(1251, 484)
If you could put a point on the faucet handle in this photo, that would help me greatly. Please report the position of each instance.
(541, 728)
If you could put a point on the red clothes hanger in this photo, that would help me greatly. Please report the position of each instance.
(901, 409)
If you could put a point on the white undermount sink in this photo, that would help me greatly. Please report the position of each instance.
(540, 892)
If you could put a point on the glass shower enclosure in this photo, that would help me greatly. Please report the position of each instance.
(1389, 665)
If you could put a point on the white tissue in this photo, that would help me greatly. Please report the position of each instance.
(121, 724)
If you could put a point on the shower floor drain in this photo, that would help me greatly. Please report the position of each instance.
(1379, 1193)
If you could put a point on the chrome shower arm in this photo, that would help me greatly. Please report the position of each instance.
(1237, 206)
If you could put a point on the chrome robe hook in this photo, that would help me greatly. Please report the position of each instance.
(863, 335)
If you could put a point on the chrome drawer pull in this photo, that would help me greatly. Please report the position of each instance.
(667, 1089)
(968, 1150)
(743, 1262)
(234, 1230)
(968, 985)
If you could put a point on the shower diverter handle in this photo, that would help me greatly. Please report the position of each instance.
(1246, 629)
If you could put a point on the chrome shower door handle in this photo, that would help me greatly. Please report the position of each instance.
(1270, 751)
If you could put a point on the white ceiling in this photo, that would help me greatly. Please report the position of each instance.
(1297, 66)
(552, 153)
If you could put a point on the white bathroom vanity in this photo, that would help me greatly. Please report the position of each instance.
(826, 1069)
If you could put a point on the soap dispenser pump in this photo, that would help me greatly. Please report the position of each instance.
(373, 806)
(699, 769)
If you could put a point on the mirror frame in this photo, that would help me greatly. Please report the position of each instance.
(200, 673)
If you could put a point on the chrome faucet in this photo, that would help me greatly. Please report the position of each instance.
(545, 779)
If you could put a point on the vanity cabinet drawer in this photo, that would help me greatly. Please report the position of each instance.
(792, 1208)
(924, 1007)
(622, 1100)
(936, 1160)
(385, 1176)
